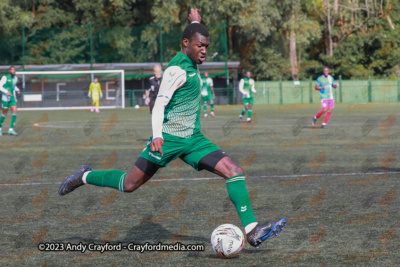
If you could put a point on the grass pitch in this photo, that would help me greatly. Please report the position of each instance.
(337, 187)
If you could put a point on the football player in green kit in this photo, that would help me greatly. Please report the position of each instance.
(177, 133)
(8, 87)
(208, 94)
(246, 87)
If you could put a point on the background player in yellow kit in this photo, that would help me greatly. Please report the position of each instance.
(95, 92)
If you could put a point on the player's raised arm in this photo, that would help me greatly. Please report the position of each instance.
(174, 77)
(194, 15)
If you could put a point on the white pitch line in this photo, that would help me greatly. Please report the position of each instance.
(253, 177)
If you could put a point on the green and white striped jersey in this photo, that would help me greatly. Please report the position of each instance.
(8, 84)
(180, 95)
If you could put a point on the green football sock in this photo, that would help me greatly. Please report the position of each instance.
(243, 111)
(240, 197)
(2, 118)
(114, 179)
(13, 119)
(250, 111)
(212, 107)
(205, 109)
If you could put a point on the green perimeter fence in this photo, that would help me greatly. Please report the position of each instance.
(286, 93)
(349, 91)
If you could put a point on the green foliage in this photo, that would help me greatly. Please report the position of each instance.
(57, 32)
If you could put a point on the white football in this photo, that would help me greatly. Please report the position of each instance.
(227, 240)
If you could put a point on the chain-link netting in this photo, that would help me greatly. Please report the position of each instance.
(349, 91)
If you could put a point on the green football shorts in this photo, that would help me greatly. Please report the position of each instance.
(208, 97)
(191, 150)
(11, 103)
(248, 100)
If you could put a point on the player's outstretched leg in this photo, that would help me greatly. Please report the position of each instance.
(249, 112)
(74, 181)
(13, 119)
(2, 118)
(92, 108)
(326, 119)
(241, 115)
(319, 114)
(140, 173)
(235, 183)
(260, 233)
(97, 106)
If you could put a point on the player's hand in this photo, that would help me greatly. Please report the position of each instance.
(156, 145)
(246, 95)
(89, 95)
(194, 15)
(147, 101)
(101, 95)
(214, 96)
(255, 93)
(9, 94)
(335, 85)
(18, 91)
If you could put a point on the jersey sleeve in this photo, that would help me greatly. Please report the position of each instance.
(252, 86)
(318, 82)
(174, 78)
(211, 82)
(90, 88)
(2, 83)
(241, 84)
(16, 87)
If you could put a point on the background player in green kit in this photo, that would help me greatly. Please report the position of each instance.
(176, 133)
(208, 94)
(246, 87)
(8, 88)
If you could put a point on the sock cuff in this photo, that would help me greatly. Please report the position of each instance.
(250, 227)
(3, 115)
(236, 178)
(85, 176)
(121, 182)
(14, 114)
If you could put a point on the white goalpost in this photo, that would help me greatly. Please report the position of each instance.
(63, 90)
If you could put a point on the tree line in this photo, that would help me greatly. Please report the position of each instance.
(275, 39)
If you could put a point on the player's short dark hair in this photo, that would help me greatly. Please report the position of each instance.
(192, 28)
(12, 67)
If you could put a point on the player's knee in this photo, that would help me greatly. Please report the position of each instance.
(235, 170)
(130, 186)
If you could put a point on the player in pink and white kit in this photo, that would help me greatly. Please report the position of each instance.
(325, 84)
